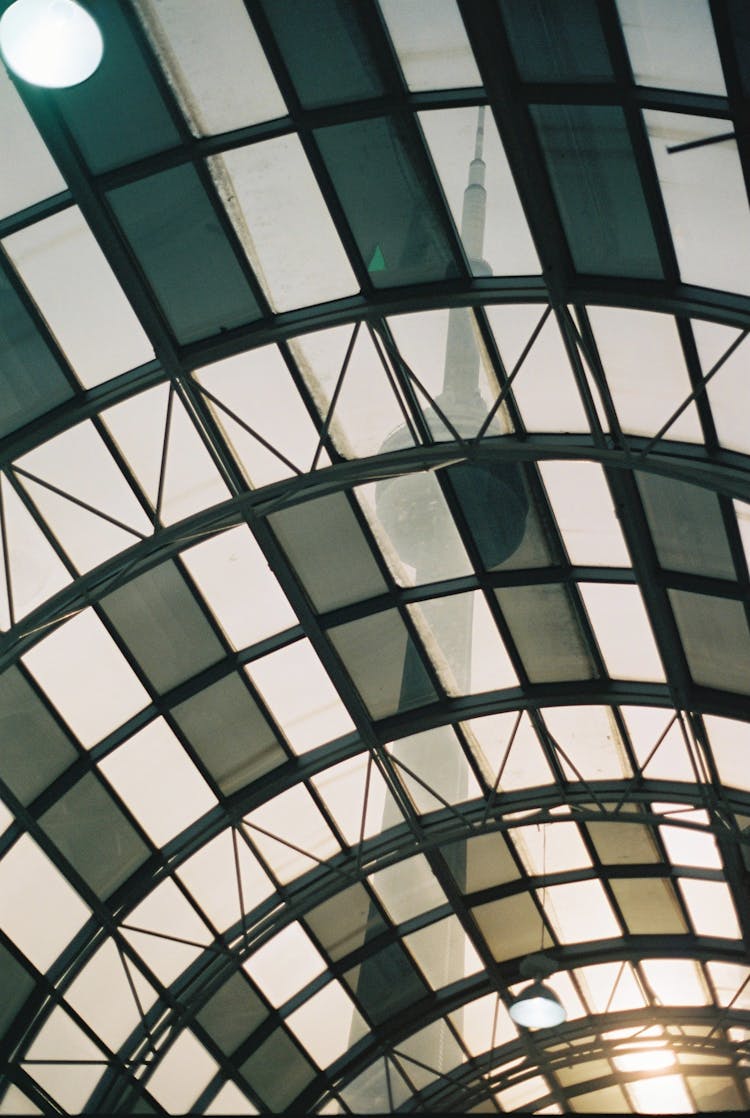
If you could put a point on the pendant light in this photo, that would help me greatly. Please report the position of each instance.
(51, 43)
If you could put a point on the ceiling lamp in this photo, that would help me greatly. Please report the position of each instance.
(52, 43)
(538, 1006)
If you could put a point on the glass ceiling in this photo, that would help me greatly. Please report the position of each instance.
(375, 525)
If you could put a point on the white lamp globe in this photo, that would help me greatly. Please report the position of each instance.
(52, 43)
(537, 1007)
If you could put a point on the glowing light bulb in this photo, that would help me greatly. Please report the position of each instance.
(52, 43)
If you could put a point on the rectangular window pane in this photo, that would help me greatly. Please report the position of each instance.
(283, 223)
(383, 182)
(183, 249)
(598, 188)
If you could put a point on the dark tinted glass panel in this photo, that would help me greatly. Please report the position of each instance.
(381, 176)
(181, 246)
(386, 983)
(233, 1012)
(31, 381)
(333, 32)
(557, 40)
(686, 526)
(598, 188)
(343, 923)
(383, 662)
(163, 626)
(278, 1071)
(34, 748)
(546, 632)
(16, 985)
(90, 830)
(118, 114)
(716, 639)
(228, 732)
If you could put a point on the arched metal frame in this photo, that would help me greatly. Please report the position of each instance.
(720, 471)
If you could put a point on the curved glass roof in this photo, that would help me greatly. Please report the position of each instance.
(374, 584)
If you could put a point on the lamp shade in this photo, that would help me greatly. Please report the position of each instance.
(52, 43)
(537, 1007)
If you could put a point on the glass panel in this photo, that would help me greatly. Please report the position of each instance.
(29, 734)
(69, 1084)
(544, 388)
(519, 761)
(163, 626)
(657, 745)
(431, 43)
(158, 782)
(123, 88)
(445, 351)
(214, 63)
(181, 1074)
(672, 45)
(623, 843)
(343, 41)
(687, 847)
(383, 182)
(557, 41)
(93, 834)
(262, 1071)
(548, 848)
(495, 232)
(585, 513)
(211, 877)
(686, 526)
(179, 242)
(730, 746)
(623, 632)
(711, 908)
(328, 549)
(31, 381)
(512, 927)
(291, 834)
(675, 981)
(488, 862)
(283, 223)
(645, 370)
(462, 640)
(30, 889)
(664, 1095)
(114, 1017)
(34, 569)
(29, 172)
(386, 983)
(546, 632)
(86, 676)
(367, 409)
(233, 1012)
(168, 916)
(648, 906)
(79, 463)
(589, 737)
(74, 287)
(342, 1025)
(257, 387)
(236, 581)
(610, 986)
(716, 639)
(226, 729)
(343, 789)
(345, 922)
(408, 888)
(598, 187)
(411, 521)
(285, 964)
(383, 662)
(726, 391)
(301, 696)
(444, 952)
(579, 912)
(695, 186)
(434, 757)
